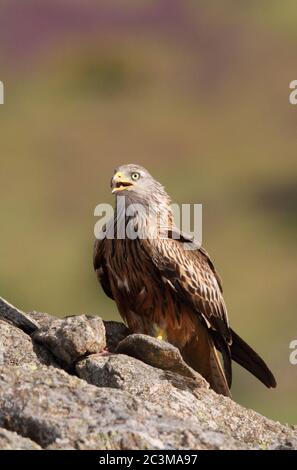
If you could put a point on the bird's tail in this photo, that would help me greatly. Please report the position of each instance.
(244, 355)
(200, 353)
(217, 379)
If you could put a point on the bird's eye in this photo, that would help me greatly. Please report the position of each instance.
(135, 176)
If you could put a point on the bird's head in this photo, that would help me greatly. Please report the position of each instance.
(138, 185)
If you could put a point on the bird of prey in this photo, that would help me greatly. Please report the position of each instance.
(163, 289)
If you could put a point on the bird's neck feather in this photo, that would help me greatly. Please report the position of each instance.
(150, 219)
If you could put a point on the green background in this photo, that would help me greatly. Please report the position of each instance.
(198, 92)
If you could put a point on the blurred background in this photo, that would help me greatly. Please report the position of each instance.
(198, 94)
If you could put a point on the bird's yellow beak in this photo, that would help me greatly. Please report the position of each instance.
(120, 182)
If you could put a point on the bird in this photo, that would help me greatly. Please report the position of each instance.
(164, 289)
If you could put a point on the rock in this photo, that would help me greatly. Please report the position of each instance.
(287, 444)
(12, 441)
(157, 353)
(42, 318)
(143, 397)
(17, 317)
(66, 412)
(73, 337)
(139, 379)
(17, 348)
(115, 333)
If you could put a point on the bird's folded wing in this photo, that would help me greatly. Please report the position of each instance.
(191, 274)
(99, 264)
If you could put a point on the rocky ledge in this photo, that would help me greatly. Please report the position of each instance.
(82, 383)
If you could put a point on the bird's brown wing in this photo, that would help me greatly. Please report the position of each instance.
(192, 276)
(99, 263)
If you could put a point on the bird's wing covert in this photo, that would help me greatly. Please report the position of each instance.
(192, 276)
